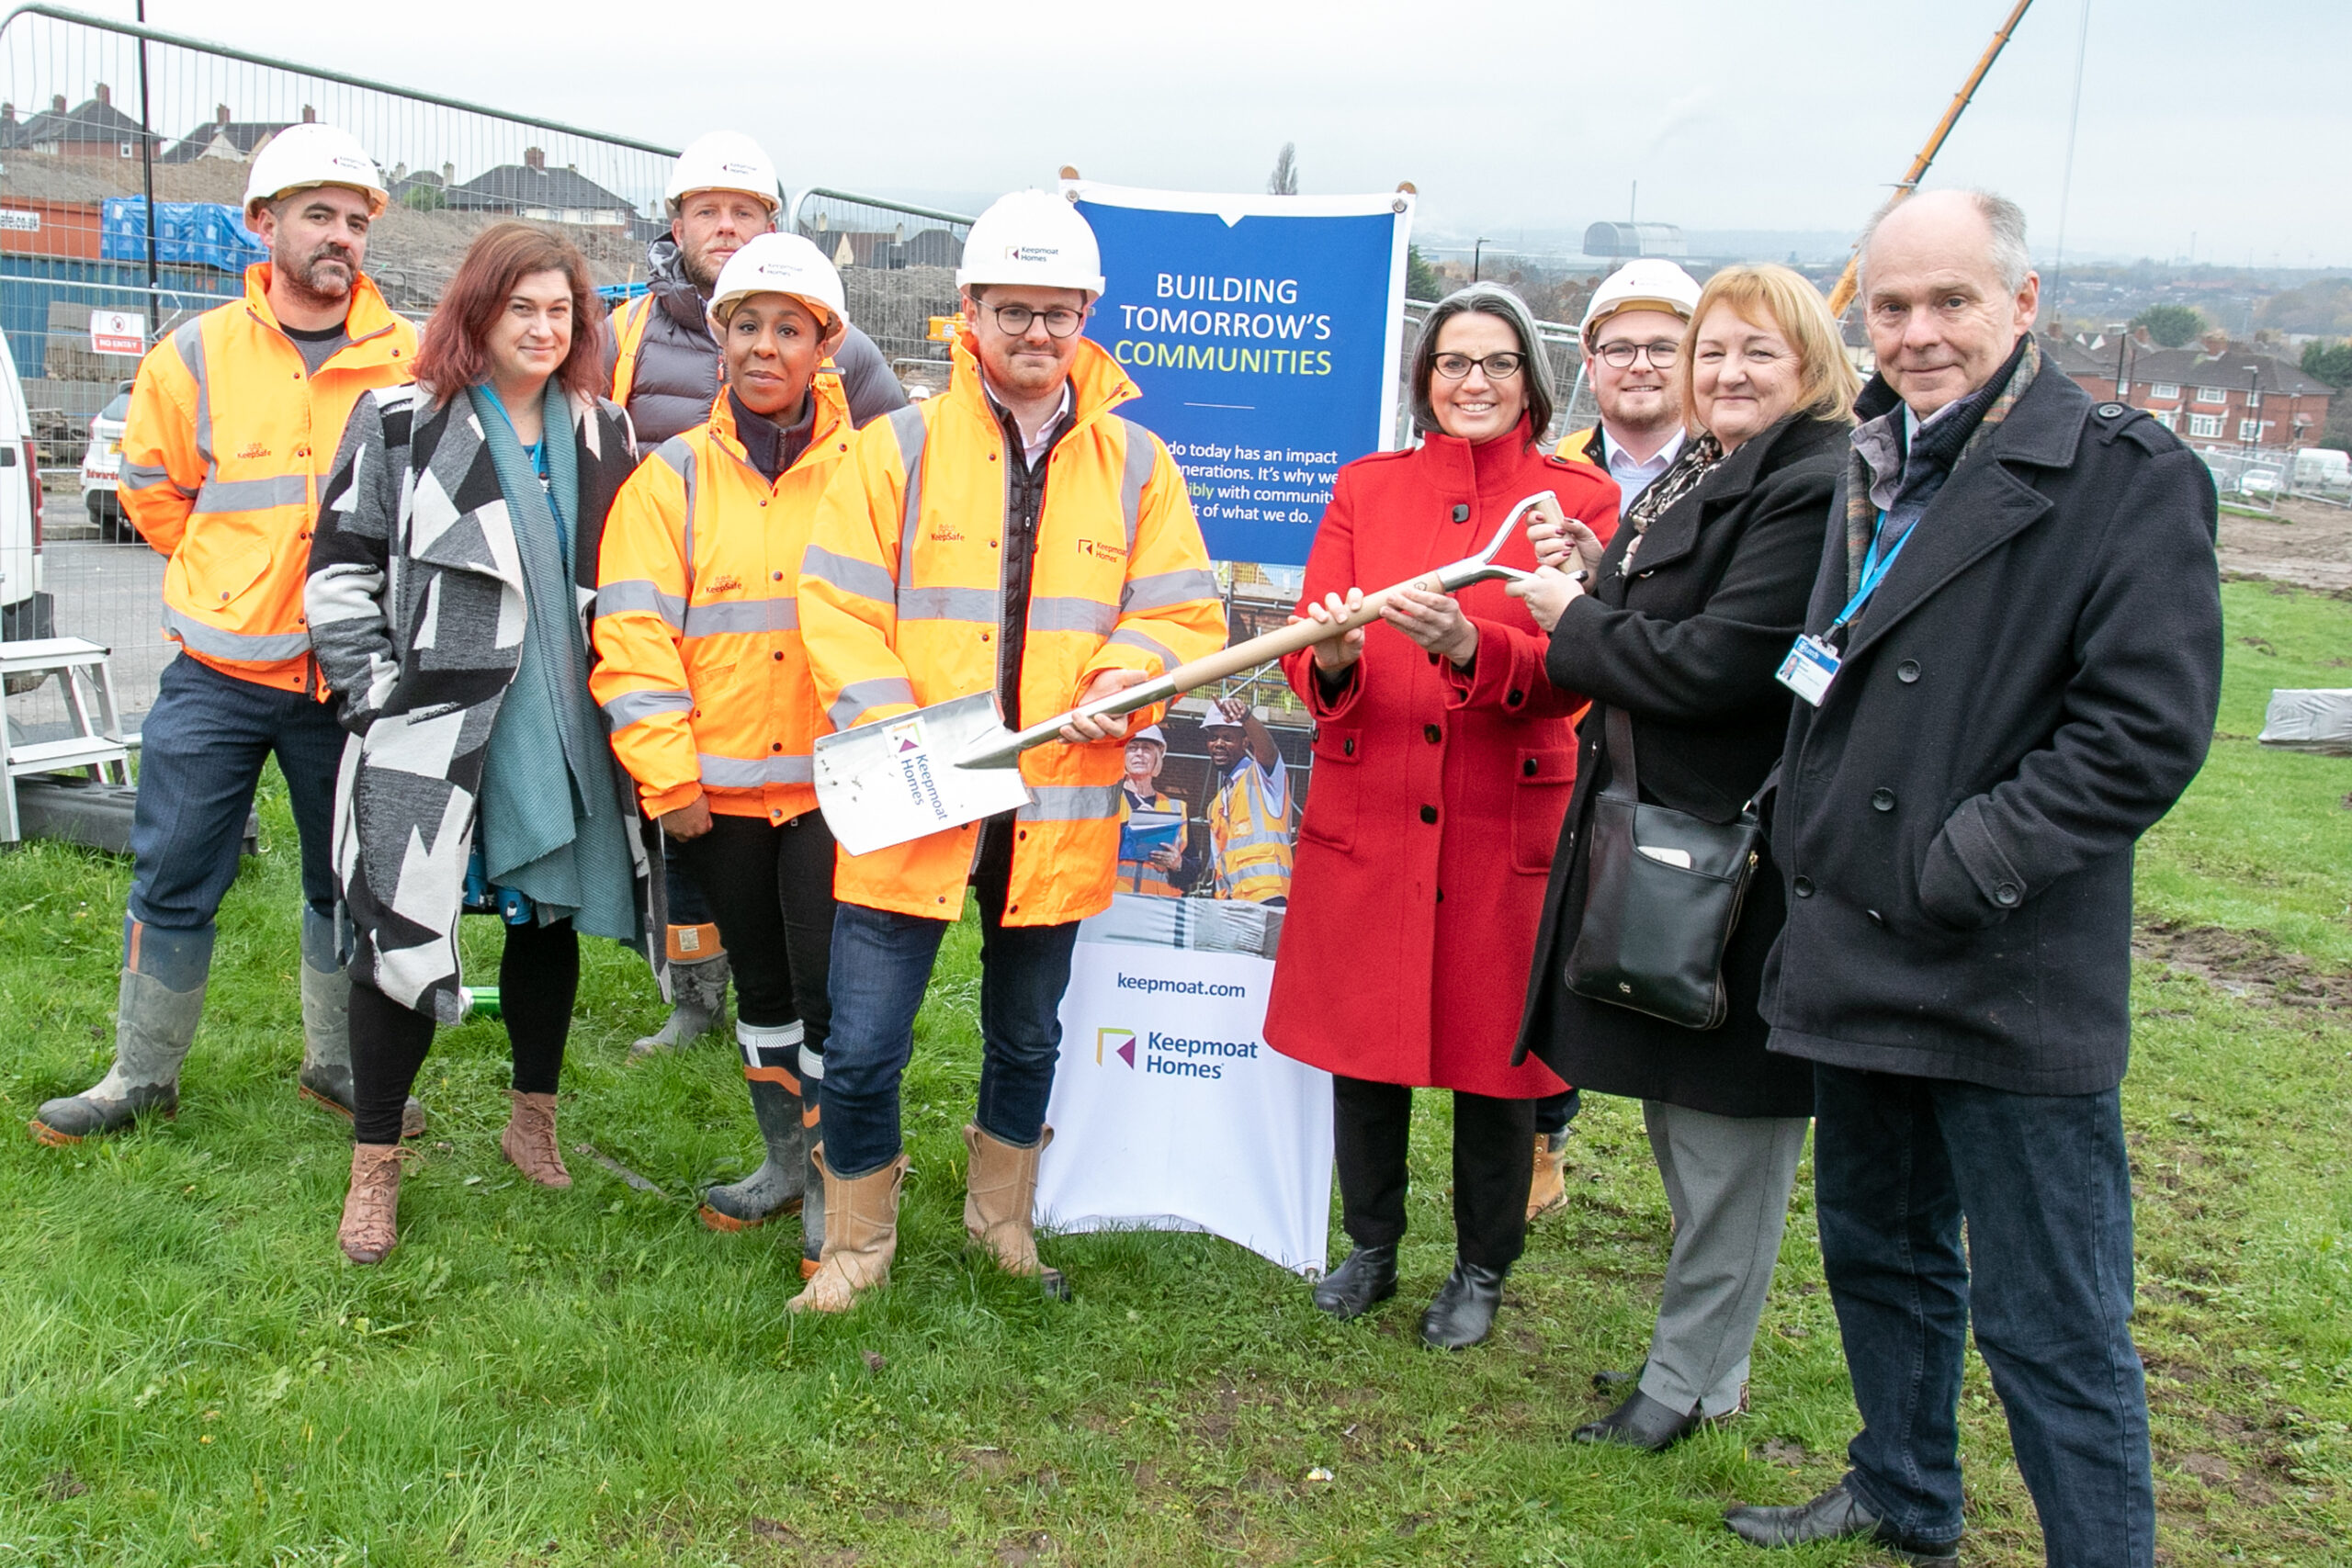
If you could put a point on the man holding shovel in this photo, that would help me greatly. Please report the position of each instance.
(1012, 535)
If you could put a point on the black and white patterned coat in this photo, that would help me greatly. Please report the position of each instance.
(416, 607)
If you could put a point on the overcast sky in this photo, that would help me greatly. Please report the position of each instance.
(2225, 123)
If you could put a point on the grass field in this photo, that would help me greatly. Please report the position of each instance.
(190, 1372)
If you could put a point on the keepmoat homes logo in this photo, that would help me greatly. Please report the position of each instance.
(1172, 1055)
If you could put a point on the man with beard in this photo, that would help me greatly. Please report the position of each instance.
(1632, 333)
(722, 193)
(232, 428)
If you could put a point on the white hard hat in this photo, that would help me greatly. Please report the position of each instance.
(1033, 237)
(723, 159)
(305, 156)
(1648, 284)
(778, 263)
(1152, 733)
(1216, 719)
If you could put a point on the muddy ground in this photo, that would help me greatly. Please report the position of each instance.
(2306, 543)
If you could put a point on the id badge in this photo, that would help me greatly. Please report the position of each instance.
(1811, 665)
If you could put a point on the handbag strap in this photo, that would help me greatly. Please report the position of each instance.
(1617, 734)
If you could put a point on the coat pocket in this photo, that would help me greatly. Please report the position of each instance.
(1332, 792)
(1544, 780)
(221, 564)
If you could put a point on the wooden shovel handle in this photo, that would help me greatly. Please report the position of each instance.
(1268, 646)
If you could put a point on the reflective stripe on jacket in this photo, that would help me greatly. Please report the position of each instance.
(228, 442)
(900, 595)
(1249, 840)
(700, 667)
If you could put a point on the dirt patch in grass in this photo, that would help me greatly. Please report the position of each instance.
(2305, 543)
(2245, 964)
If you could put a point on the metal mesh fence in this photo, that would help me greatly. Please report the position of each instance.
(92, 110)
(898, 264)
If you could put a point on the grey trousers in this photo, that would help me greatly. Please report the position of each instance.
(1727, 1179)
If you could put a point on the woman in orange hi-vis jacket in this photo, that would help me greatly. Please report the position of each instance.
(703, 681)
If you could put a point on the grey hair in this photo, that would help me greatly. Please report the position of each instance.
(1486, 299)
(2003, 219)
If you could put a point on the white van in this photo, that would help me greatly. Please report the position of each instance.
(25, 611)
(2322, 468)
(102, 469)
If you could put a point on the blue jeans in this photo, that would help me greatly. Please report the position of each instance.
(881, 966)
(201, 756)
(2045, 1188)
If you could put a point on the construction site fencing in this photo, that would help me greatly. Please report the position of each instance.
(898, 264)
(96, 113)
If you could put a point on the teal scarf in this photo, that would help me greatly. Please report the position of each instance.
(551, 828)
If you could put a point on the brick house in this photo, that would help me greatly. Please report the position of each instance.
(2217, 395)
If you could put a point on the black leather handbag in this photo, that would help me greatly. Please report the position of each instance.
(1662, 895)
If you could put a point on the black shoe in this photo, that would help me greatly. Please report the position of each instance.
(1362, 1281)
(1464, 1312)
(1641, 1423)
(1836, 1515)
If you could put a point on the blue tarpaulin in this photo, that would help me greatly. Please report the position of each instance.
(188, 233)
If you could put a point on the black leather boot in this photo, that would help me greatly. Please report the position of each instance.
(1362, 1281)
(1464, 1313)
(1641, 1423)
(1834, 1515)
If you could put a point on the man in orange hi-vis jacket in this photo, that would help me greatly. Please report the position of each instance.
(1014, 535)
(232, 429)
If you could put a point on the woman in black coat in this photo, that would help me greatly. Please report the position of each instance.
(1688, 613)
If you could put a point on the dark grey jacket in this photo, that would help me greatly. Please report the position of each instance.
(2033, 687)
(678, 364)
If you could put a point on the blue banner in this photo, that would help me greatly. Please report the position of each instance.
(1265, 333)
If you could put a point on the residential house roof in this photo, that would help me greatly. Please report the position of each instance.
(531, 185)
(95, 121)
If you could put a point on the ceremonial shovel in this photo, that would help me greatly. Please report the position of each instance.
(899, 779)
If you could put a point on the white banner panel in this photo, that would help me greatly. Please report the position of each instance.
(1171, 1112)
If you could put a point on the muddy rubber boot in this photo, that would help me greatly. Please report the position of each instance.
(861, 1237)
(771, 1057)
(1549, 1189)
(326, 1077)
(697, 986)
(530, 1141)
(157, 1005)
(999, 1204)
(371, 1207)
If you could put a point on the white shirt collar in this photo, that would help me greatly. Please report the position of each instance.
(1032, 445)
(1632, 477)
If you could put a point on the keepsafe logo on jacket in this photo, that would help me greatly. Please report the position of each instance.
(229, 440)
(903, 587)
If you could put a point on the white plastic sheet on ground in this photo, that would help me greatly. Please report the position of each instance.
(2315, 720)
(1171, 1111)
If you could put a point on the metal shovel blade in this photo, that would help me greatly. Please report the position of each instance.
(896, 780)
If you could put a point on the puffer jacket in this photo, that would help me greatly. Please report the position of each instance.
(662, 364)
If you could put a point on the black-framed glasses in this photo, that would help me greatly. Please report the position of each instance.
(1014, 320)
(1621, 355)
(1497, 367)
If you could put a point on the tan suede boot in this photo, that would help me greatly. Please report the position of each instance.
(861, 1237)
(999, 1203)
(371, 1208)
(529, 1143)
(1548, 1189)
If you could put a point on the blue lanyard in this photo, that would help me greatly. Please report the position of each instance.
(1874, 571)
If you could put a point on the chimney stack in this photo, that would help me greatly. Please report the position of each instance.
(2140, 336)
(2215, 341)
(448, 173)
(310, 115)
(534, 158)
(57, 103)
(104, 95)
(220, 113)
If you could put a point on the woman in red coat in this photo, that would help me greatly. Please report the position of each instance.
(1444, 764)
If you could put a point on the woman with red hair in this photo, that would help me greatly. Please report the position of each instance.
(454, 563)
